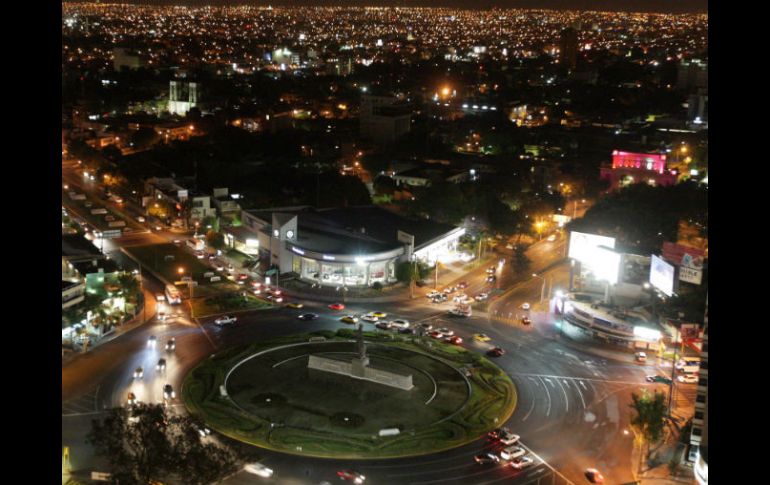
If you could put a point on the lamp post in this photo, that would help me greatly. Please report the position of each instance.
(542, 289)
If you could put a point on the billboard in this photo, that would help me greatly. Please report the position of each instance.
(582, 247)
(606, 264)
(662, 275)
(690, 331)
(690, 261)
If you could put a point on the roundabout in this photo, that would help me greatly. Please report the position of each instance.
(267, 395)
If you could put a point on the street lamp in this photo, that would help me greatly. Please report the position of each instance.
(542, 289)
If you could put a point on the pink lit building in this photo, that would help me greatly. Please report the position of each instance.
(631, 168)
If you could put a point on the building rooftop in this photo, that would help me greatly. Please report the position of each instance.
(88, 267)
(76, 246)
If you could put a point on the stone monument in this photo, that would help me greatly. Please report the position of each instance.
(359, 367)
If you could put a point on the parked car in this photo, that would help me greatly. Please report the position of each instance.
(258, 469)
(308, 316)
(425, 326)
(688, 378)
(383, 325)
(369, 318)
(337, 306)
(225, 320)
(400, 323)
(486, 458)
(659, 379)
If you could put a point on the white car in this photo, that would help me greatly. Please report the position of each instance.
(688, 378)
(259, 469)
(400, 323)
(509, 439)
(226, 320)
(369, 318)
(446, 332)
(482, 296)
(525, 306)
(140, 219)
(512, 452)
(522, 462)
(551, 238)
(433, 294)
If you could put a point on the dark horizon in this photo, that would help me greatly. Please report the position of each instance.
(642, 6)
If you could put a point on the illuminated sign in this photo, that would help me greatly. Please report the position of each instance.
(648, 161)
(662, 275)
(582, 247)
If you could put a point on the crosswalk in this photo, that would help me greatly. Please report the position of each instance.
(85, 404)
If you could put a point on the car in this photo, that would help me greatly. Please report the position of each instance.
(660, 379)
(491, 278)
(400, 323)
(140, 219)
(171, 344)
(425, 326)
(369, 318)
(131, 398)
(496, 433)
(168, 392)
(481, 297)
(509, 439)
(294, 305)
(258, 469)
(225, 320)
(162, 316)
(446, 332)
(160, 297)
(436, 334)
(349, 319)
(462, 285)
(593, 475)
(212, 257)
(88, 203)
(152, 341)
(551, 238)
(441, 298)
(522, 462)
(640, 357)
(486, 458)
(138, 373)
(383, 325)
(109, 218)
(688, 378)
(200, 254)
(176, 241)
(202, 430)
(308, 316)
(460, 311)
(337, 306)
(161, 366)
(496, 352)
(525, 306)
(460, 298)
(406, 331)
(512, 452)
(379, 314)
(481, 337)
(509, 246)
(455, 340)
(243, 276)
(219, 267)
(491, 270)
(275, 298)
(432, 294)
(525, 320)
(351, 475)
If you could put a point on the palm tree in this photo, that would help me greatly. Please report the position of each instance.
(649, 421)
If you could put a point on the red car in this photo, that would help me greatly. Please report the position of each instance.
(454, 340)
(593, 476)
(526, 321)
(351, 475)
(436, 334)
(337, 306)
(496, 352)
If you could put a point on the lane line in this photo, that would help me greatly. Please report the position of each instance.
(580, 393)
(566, 399)
(589, 379)
(547, 393)
(546, 463)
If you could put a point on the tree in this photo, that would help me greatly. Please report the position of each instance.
(521, 262)
(215, 239)
(650, 415)
(129, 286)
(145, 443)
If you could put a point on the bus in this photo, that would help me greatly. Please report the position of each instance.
(173, 297)
(688, 365)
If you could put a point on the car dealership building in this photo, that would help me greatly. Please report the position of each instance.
(351, 246)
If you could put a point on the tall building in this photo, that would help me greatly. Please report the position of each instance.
(568, 48)
(182, 95)
(699, 435)
(692, 75)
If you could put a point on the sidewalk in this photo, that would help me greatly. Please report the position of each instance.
(657, 471)
(137, 321)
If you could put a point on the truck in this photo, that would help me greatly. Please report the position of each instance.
(688, 365)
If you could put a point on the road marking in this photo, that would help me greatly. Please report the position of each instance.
(443, 480)
(551, 383)
(566, 399)
(583, 384)
(546, 463)
(206, 333)
(90, 413)
(580, 393)
(589, 379)
(548, 411)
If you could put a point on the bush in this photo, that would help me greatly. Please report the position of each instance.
(377, 286)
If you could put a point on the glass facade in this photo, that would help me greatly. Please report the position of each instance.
(345, 274)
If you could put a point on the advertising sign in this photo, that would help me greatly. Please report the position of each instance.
(690, 330)
(606, 264)
(582, 247)
(662, 275)
(690, 261)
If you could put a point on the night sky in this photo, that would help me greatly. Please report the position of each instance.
(668, 6)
